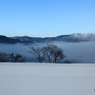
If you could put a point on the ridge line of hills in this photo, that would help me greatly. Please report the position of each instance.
(77, 37)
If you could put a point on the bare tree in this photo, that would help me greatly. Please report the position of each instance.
(58, 55)
(49, 49)
(4, 57)
(16, 57)
(50, 53)
(53, 53)
(38, 52)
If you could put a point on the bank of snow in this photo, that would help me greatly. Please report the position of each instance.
(46, 79)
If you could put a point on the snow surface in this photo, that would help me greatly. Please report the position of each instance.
(47, 79)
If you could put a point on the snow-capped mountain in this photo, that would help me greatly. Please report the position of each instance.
(88, 37)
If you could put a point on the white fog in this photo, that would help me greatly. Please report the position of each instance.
(82, 52)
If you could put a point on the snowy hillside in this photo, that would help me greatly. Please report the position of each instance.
(47, 79)
(89, 37)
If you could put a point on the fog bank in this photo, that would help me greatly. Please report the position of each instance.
(82, 52)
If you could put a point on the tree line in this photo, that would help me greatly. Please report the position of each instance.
(49, 53)
(11, 57)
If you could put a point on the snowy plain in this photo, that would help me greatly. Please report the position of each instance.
(47, 79)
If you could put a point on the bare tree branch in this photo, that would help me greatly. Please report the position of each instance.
(16, 57)
(50, 53)
(4, 57)
(38, 52)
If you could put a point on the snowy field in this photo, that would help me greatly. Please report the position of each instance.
(47, 79)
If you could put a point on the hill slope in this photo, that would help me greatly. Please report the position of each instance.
(64, 38)
(88, 37)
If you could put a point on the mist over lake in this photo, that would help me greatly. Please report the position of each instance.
(82, 52)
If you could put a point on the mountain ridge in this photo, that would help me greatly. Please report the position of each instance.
(66, 38)
(76, 37)
(84, 36)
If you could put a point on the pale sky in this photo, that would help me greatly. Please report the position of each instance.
(43, 18)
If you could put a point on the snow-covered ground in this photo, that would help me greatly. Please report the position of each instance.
(46, 79)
